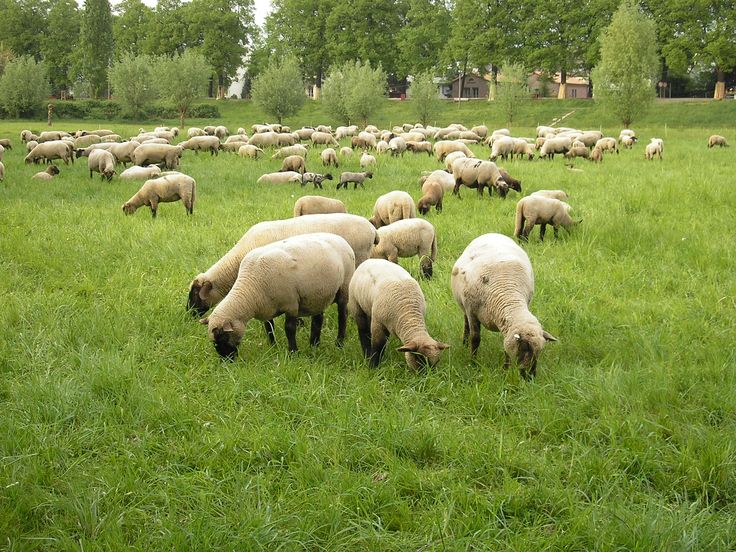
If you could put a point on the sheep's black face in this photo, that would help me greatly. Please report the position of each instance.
(195, 304)
(223, 345)
(423, 209)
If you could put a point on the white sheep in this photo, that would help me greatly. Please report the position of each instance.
(297, 276)
(50, 150)
(384, 299)
(103, 162)
(433, 193)
(293, 163)
(493, 283)
(717, 140)
(249, 150)
(346, 151)
(444, 147)
(367, 160)
(653, 149)
(553, 194)
(329, 157)
(140, 173)
(202, 143)
(323, 138)
(474, 173)
(164, 189)
(280, 178)
(538, 209)
(286, 151)
(2, 171)
(48, 174)
(607, 143)
(150, 154)
(393, 206)
(503, 147)
(354, 177)
(397, 145)
(551, 146)
(315, 205)
(408, 238)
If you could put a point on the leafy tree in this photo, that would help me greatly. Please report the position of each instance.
(422, 37)
(6, 56)
(23, 86)
(184, 78)
(335, 92)
(59, 44)
(423, 96)
(367, 87)
(512, 90)
(95, 45)
(132, 80)
(22, 24)
(624, 80)
(169, 32)
(131, 26)
(279, 90)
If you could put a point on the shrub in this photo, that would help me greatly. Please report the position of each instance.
(23, 87)
(424, 98)
(279, 90)
(132, 81)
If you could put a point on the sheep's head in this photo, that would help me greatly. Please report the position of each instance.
(129, 208)
(525, 345)
(369, 174)
(502, 187)
(53, 170)
(423, 206)
(225, 334)
(422, 355)
(202, 295)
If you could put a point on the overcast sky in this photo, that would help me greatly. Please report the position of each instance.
(262, 7)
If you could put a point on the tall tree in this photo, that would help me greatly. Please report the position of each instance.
(59, 44)
(279, 90)
(95, 46)
(353, 91)
(22, 23)
(169, 32)
(512, 90)
(183, 80)
(424, 98)
(423, 36)
(133, 83)
(130, 28)
(625, 78)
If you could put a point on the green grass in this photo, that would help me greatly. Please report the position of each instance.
(121, 428)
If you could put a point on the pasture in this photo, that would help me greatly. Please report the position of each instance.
(122, 428)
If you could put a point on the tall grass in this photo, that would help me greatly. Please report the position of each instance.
(121, 428)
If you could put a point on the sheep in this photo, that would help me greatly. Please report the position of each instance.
(314, 271)
(589, 138)
(323, 138)
(537, 209)
(393, 206)
(148, 154)
(221, 132)
(329, 157)
(2, 152)
(481, 130)
(397, 145)
(6, 143)
(419, 147)
(315, 178)
(553, 194)
(596, 155)
(30, 145)
(202, 143)
(324, 129)
(444, 178)
(354, 177)
(286, 151)
(367, 160)
(27, 136)
(264, 139)
(412, 137)
(407, 238)
(384, 299)
(51, 135)
(315, 205)
(286, 139)
(209, 130)
(627, 141)
(346, 151)
(580, 151)
(523, 148)
(478, 174)
(364, 140)
(280, 178)
(249, 150)
(304, 133)
(241, 131)
(607, 144)
(544, 130)
(48, 151)
(382, 147)
(208, 288)
(653, 149)
(48, 174)
(103, 162)
(551, 146)
(626, 132)
(293, 163)
(432, 194)
(659, 142)
(164, 189)
(493, 283)
(443, 147)
(150, 140)
(510, 181)
(502, 147)
(343, 132)
(140, 173)
(194, 131)
(717, 140)
(451, 157)
(87, 140)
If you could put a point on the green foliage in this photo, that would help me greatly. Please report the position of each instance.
(23, 87)
(131, 27)
(95, 46)
(626, 77)
(60, 42)
(335, 93)
(513, 90)
(106, 110)
(183, 79)
(422, 36)
(169, 31)
(424, 99)
(353, 91)
(279, 90)
(132, 79)
(22, 25)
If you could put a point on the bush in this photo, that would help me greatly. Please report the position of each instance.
(24, 87)
(113, 110)
(132, 81)
(279, 90)
(353, 91)
(424, 98)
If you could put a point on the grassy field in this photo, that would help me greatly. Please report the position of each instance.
(122, 429)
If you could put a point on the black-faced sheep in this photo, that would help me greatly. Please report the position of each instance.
(103, 162)
(717, 140)
(478, 174)
(315, 205)
(163, 189)
(537, 209)
(393, 206)
(433, 193)
(354, 177)
(408, 238)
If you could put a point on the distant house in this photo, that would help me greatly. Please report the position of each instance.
(548, 86)
(474, 86)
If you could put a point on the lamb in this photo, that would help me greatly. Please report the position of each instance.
(284, 152)
(393, 206)
(148, 154)
(221, 132)
(397, 145)
(208, 288)
(346, 151)
(293, 163)
(552, 146)
(432, 194)
(323, 138)
(48, 151)
(48, 174)
(382, 147)
(315, 205)
(367, 160)
(27, 136)
(407, 238)
(314, 271)
(163, 189)
(607, 144)
(653, 149)
(596, 155)
(249, 150)
(354, 177)
(443, 147)
(280, 178)
(202, 143)
(419, 147)
(717, 140)
(502, 147)
(384, 299)
(103, 162)
(552, 194)
(140, 173)
(329, 157)
(315, 178)
(6, 143)
(537, 209)
(444, 178)
(493, 283)
(478, 174)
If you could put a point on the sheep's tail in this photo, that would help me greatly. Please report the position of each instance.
(519, 222)
(434, 247)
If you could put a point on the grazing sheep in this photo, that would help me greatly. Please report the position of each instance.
(264, 139)
(607, 144)
(164, 189)
(324, 128)
(48, 174)
(493, 283)
(354, 177)
(345, 131)
(443, 147)
(202, 143)
(286, 139)
(478, 174)
(51, 136)
(280, 178)
(627, 141)
(543, 131)
(393, 206)
(444, 178)
(658, 141)
(315, 205)
(367, 160)
(249, 150)
(397, 145)
(30, 145)
(286, 151)
(384, 299)
(5, 142)
(304, 133)
(596, 155)
(315, 178)
(382, 147)
(103, 162)
(522, 149)
(293, 163)
(86, 140)
(589, 138)
(27, 136)
(140, 173)
(314, 271)
(510, 181)
(502, 147)
(481, 130)
(408, 238)
(194, 131)
(346, 151)
(653, 149)
(208, 288)
(717, 140)
(48, 151)
(323, 138)
(328, 157)
(580, 151)
(537, 209)
(451, 157)
(626, 132)
(156, 154)
(432, 194)
(221, 132)
(364, 140)
(419, 147)
(555, 145)
(552, 194)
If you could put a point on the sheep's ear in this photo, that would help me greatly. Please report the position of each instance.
(442, 346)
(205, 321)
(204, 290)
(410, 347)
(228, 327)
(548, 336)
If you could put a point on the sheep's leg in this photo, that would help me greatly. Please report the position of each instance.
(364, 332)
(528, 228)
(466, 329)
(379, 337)
(290, 325)
(474, 326)
(456, 189)
(543, 229)
(556, 229)
(154, 207)
(506, 361)
(425, 264)
(438, 207)
(316, 332)
(268, 326)
(342, 317)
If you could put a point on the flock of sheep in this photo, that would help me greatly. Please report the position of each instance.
(298, 267)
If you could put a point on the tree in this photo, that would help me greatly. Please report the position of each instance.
(59, 44)
(366, 89)
(335, 91)
(423, 97)
(184, 79)
(130, 28)
(625, 79)
(23, 87)
(95, 45)
(169, 32)
(512, 90)
(22, 24)
(422, 36)
(132, 81)
(279, 90)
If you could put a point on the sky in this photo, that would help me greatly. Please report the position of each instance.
(262, 7)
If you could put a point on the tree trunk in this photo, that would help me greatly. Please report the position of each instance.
(493, 85)
(317, 90)
(462, 79)
(720, 91)
(562, 92)
(181, 119)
